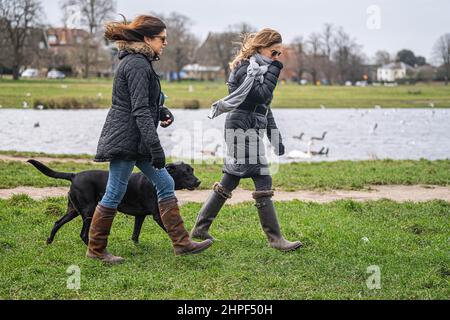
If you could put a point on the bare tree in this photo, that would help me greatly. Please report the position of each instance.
(183, 43)
(94, 14)
(441, 52)
(298, 46)
(314, 55)
(327, 37)
(220, 48)
(18, 18)
(382, 57)
(347, 57)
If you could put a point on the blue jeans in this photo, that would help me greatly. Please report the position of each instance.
(121, 170)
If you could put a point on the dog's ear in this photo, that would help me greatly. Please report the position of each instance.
(171, 167)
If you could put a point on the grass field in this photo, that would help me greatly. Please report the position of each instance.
(407, 242)
(98, 92)
(312, 176)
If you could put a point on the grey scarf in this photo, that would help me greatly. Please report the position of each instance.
(256, 70)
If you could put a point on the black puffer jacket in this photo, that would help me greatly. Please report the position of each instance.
(130, 127)
(239, 161)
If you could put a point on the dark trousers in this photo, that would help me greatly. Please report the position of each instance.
(262, 183)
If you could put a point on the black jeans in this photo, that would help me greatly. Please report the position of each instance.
(262, 183)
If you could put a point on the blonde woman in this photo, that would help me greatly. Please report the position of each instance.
(253, 79)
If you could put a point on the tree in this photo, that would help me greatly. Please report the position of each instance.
(298, 46)
(18, 18)
(183, 43)
(220, 48)
(328, 47)
(408, 57)
(348, 57)
(94, 13)
(441, 53)
(314, 55)
(382, 57)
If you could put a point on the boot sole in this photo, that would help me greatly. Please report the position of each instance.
(106, 262)
(300, 245)
(195, 251)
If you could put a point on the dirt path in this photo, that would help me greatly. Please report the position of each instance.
(396, 193)
(45, 159)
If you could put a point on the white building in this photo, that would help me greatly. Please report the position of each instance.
(199, 72)
(393, 71)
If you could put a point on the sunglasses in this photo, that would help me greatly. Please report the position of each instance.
(163, 38)
(275, 53)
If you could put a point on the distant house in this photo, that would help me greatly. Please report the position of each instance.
(67, 47)
(290, 62)
(394, 71)
(199, 72)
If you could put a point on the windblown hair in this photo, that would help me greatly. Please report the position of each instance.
(142, 26)
(252, 42)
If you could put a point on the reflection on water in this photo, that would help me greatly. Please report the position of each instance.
(351, 134)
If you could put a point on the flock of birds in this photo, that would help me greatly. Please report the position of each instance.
(309, 153)
(295, 154)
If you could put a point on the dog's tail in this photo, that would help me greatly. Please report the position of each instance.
(50, 173)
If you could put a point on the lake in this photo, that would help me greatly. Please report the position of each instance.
(351, 134)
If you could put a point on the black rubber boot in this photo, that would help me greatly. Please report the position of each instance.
(269, 222)
(209, 212)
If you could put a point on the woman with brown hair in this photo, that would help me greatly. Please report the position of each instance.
(254, 76)
(129, 137)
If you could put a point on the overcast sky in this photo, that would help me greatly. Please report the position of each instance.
(412, 24)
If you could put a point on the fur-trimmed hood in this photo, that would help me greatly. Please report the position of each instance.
(137, 47)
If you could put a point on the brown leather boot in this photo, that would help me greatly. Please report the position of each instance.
(172, 220)
(98, 235)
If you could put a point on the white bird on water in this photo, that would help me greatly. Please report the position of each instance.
(297, 154)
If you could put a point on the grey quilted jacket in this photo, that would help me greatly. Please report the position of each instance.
(130, 127)
(239, 161)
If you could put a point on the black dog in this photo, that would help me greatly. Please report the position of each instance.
(140, 200)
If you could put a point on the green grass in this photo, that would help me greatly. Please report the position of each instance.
(348, 175)
(14, 93)
(409, 243)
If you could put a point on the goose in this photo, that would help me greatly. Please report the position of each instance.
(211, 152)
(25, 105)
(300, 137)
(322, 152)
(320, 139)
(37, 125)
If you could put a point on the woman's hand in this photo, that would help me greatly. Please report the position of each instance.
(166, 117)
(158, 156)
